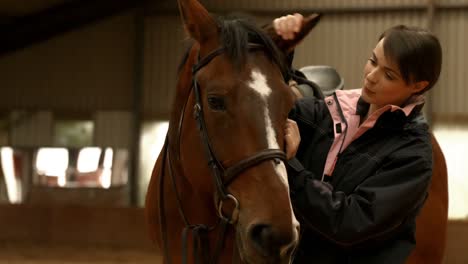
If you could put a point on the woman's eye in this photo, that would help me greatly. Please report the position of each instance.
(216, 103)
(372, 61)
(389, 76)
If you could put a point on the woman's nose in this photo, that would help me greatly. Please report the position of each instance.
(372, 76)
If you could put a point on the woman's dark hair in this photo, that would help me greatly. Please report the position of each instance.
(416, 51)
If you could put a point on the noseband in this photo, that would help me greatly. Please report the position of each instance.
(222, 177)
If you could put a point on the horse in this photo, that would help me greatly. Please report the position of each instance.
(219, 190)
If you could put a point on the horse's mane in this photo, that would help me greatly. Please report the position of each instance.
(236, 32)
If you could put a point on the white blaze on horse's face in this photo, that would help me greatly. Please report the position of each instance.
(259, 84)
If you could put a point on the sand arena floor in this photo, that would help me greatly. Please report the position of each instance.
(58, 254)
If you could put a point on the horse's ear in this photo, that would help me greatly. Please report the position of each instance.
(199, 24)
(288, 45)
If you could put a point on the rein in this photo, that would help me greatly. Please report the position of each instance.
(222, 177)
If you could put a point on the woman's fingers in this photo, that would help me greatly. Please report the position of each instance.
(299, 19)
(287, 26)
(292, 138)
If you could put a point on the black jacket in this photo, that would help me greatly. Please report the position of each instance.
(365, 212)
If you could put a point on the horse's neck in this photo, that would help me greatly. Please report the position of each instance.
(194, 205)
(181, 101)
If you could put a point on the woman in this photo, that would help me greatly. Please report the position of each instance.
(364, 161)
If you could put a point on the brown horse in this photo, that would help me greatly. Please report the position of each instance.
(219, 189)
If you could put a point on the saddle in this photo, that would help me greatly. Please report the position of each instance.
(318, 81)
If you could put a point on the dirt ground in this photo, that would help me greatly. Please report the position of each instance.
(57, 254)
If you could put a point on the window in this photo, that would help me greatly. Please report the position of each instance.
(51, 165)
(80, 167)
(10, 183)
(73, 133)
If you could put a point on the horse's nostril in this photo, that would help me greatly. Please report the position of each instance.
(289, 250)
(262, 237)
(268, 240)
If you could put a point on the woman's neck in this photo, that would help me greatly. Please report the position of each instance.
(372, 109)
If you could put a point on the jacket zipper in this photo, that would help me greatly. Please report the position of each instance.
(344, 133)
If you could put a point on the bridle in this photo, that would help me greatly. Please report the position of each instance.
(222, 177)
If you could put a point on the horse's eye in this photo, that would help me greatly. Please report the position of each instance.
(216, 103)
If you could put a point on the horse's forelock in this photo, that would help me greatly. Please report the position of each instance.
(235, 35)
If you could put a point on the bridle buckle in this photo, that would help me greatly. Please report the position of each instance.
(235, 212)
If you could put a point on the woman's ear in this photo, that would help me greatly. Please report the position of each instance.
(419, 86)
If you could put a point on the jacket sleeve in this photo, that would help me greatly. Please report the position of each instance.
(307, 111)
(376, 207)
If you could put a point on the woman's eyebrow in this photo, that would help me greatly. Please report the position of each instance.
(386, 67)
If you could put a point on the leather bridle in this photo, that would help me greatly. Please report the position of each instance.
(222, 177)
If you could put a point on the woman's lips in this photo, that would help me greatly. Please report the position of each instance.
(367, 90)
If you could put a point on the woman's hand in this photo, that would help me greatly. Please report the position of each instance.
(287, 26)
(292, 138)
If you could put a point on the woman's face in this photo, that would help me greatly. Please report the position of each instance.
(383, 83)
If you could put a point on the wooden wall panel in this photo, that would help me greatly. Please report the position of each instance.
(81, 71)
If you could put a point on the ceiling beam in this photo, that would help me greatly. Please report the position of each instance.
(38, 27)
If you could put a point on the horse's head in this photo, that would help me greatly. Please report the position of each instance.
(239, 75)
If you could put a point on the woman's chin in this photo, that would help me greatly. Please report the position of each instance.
(366, 95)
